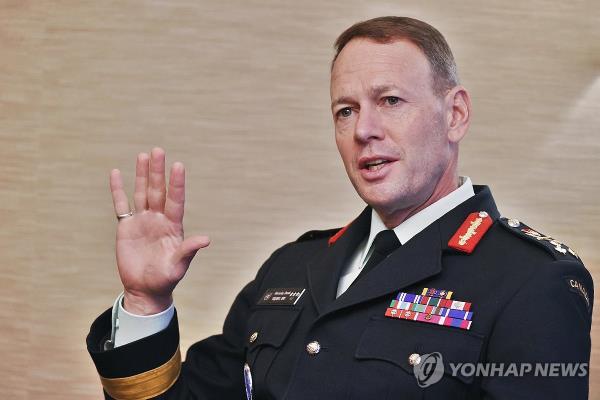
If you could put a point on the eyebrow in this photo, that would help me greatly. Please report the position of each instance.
(377, 90)
(341, 100)
(374, 92)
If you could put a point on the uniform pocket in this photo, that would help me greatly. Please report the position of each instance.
(267, 329)
(394, 341)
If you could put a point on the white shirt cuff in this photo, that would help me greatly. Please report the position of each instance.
(128, 327)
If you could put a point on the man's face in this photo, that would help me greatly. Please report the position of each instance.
(390, 127)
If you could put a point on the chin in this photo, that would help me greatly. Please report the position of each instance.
(390, 198)
(383, 201)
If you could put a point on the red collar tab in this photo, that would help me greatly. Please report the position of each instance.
(338, 235)
(471, 231)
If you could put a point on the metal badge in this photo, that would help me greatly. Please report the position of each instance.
(558, 246)
(248, 381)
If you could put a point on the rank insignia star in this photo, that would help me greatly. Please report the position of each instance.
(558, 246)
(558, 249)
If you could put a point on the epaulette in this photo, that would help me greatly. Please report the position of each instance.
(317, 234)
(557, 249)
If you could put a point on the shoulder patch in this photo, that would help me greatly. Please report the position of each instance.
(317, 234)
(471, 232)
(575, 285)
(557, 249)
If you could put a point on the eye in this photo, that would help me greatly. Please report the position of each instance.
(344, 112)
(392, 100)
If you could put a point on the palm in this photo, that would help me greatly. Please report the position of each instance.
(152, 253)
(146, 247)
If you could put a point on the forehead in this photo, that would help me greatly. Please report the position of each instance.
(366, 63)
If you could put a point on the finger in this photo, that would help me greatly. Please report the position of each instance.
(156, 180)
(188, 248)
(174, 206)
(142, 166)
(118, 194)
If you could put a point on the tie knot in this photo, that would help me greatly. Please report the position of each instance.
(385, 242)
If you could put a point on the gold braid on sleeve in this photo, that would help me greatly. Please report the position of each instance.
(146, 384)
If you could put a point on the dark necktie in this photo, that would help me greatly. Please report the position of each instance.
(384, 244)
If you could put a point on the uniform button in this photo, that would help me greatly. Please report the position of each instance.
(253, 337)
(514, 223)
(313, 348)
(414, 359)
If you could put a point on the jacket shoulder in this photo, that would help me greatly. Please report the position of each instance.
(556, 249)
(317, 234)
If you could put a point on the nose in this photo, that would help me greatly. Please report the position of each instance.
(368, 125)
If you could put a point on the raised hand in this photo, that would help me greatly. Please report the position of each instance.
(152, 253)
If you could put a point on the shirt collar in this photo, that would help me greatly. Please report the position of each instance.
(421, 220)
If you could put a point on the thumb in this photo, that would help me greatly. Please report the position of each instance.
(189, 247)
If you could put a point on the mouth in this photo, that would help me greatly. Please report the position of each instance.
(375, 165)
(375, 168)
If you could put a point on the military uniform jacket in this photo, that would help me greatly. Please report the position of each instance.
(530, 303)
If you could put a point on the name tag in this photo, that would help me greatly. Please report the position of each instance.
(281, 297)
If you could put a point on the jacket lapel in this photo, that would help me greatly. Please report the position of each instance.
(325, 269)
(419, 259)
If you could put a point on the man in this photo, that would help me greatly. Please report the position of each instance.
(428, 279)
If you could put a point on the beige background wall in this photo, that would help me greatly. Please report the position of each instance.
(238, 91)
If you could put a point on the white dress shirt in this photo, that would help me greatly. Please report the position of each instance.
(129, 327)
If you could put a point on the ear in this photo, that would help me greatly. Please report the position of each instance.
(458, 113)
